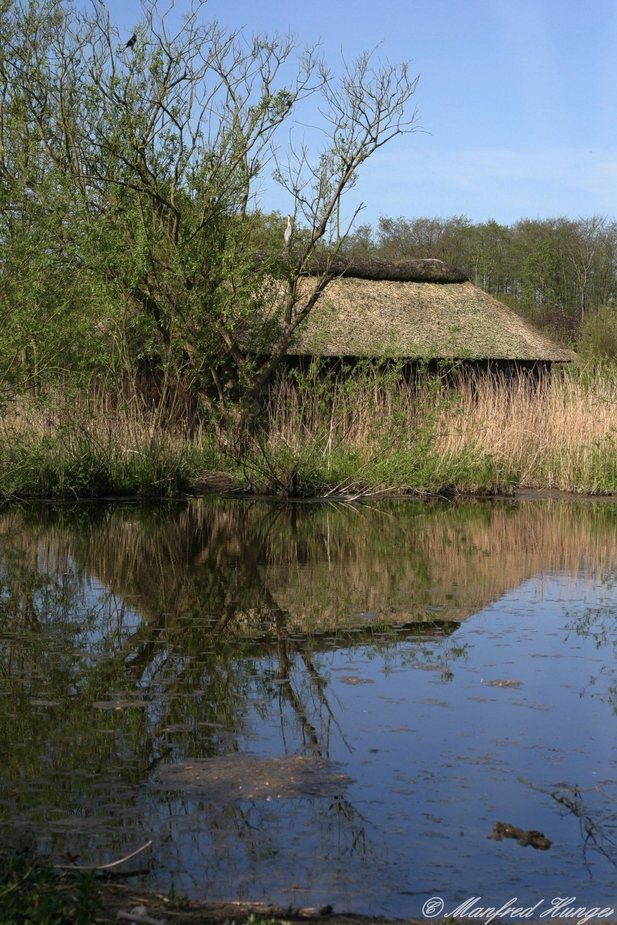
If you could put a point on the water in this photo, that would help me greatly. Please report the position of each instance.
(316, 703)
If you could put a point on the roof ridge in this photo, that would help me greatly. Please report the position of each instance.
(417, 270)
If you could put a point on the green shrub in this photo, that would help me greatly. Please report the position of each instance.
(33, 893)
(598, 334)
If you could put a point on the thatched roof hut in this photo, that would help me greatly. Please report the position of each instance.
(413, 310)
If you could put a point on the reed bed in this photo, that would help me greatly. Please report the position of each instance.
(92, 447)
(557, 434)
(370, 433)
(487, 434)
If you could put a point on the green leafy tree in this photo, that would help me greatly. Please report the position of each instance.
(132, 170)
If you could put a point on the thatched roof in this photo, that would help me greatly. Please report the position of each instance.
(427, 270)
(415, 310)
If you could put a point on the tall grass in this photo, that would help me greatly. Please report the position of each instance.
(486, 435)
(90, 447)
(560, 433)
(370, 433)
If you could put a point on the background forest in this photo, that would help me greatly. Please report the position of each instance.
(559, 274)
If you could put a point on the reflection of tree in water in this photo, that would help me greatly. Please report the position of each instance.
(599, 623)
(120, 694)
(135, 637)
(595, 810)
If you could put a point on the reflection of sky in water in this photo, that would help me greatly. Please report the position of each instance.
(435, 764)
(437, 752)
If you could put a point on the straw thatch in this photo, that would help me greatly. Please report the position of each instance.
(415, 310)
(427, 270)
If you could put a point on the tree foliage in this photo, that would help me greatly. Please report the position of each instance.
(130, 175)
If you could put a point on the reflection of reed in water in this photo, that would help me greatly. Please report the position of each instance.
(171, 689)
(242, 564)
(426, 561)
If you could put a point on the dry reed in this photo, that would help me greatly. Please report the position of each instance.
(91, 446)
(369, 433)
(559, 432)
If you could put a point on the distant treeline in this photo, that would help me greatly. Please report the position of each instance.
(559, 273)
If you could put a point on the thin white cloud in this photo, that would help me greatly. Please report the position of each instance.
(499, 183)
(581, 169)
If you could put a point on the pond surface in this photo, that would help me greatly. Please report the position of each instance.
(315, 703)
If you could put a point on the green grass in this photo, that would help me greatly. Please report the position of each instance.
(307, 472)
(33, 893)
(78, 457)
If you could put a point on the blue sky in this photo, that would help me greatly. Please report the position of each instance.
(517, 100)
